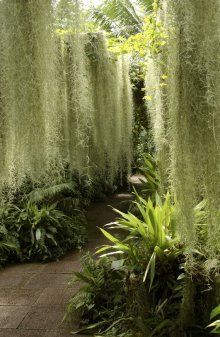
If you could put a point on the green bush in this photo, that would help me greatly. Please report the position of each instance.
(9, 246)
(133, 288)
(101, 297)
(42, 231)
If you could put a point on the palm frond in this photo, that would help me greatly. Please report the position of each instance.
(41, 194)
(146, 5)
(118, 17)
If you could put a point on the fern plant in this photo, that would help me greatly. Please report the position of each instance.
(42, 194)
(100, 296)
(43, 232)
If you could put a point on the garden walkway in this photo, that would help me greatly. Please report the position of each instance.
(33, 296)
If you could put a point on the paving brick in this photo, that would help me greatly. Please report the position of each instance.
(55, 296)
(60, 333)
(63, 267)
(48, 280)
(13, 296)
(42, 318)
(13, 279)
(72, 256)
(23, 268)
(33, 295)
(21, 333)
(12, 316)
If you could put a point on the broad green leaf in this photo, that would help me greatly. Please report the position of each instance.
(38, 234)
(151, 261)
(109, 236)
(215, 312)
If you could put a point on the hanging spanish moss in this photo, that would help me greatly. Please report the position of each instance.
(97, 123)
(112, 98)
(30, 120)
(193, 112)
(79, 103)
(126, 113)
(65, 101)
(157, 109)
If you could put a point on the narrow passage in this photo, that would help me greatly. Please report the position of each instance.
(33, 296)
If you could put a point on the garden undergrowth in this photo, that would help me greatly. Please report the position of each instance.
(142, 283)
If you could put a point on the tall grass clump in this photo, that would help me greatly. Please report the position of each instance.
(97, 106)
(156, 91)
(78, 102)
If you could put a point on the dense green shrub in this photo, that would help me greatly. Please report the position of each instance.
(101, 297)
(143, 283)
(9, 246)
(134, 287)
(41, 232)
(44, 232)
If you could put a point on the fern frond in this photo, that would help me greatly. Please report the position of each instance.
(40, 194)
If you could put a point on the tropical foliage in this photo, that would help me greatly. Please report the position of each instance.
(122, 17)
(141, 268)
(71, 100)
(215, 325)
(40, 233)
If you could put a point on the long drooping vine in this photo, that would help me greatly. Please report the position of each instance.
(188, 115)
(29, 120)
(184, 102)
(112, 97)
(65, 100)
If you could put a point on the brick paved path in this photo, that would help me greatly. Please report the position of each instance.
(33, 296)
